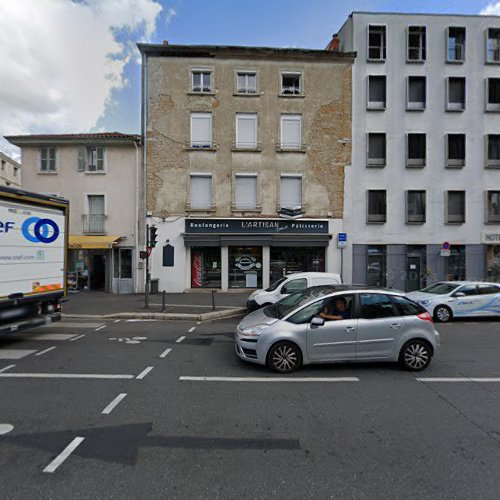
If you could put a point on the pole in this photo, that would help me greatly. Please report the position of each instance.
(342, 264)
(164, 301)
(213, 300)
(146, 288)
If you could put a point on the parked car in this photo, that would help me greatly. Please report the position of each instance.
(369, 325)
(446, 300)
(289, 284)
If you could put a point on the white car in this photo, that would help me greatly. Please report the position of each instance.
(291, 283)
(446, 300)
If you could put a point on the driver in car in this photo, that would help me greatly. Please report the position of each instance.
(336, 310)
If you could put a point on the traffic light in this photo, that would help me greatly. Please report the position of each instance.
(153, 237)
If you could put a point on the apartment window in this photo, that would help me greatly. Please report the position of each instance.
(291, 132)
(47, 159)
(201, 80)
(291, 191)
(377, 206)
(201, 130)
(246, 82)
(246, 130)
(246, 192)
(455, 45)
(376, 150)
(493, 45)
(416, 92)
(376, 92)
(90, 159)
(416, 150)
(455, 100)
(415, 207)
(416, 44)
(94, 220)
(493, 207)
(291, 83)
(493, 94)
(376, 43)
(3, 164)
(201, 191)
(455, 207)
(493, 146)
(15, 171)
(455, 150)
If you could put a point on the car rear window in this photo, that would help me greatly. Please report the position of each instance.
(376, 305)
(406, 307)
(487, 289)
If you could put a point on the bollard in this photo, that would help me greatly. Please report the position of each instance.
(164, 301)
(213, 300)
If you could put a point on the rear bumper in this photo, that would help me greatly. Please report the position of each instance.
(18, 326)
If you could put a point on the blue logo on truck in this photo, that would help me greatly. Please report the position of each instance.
(37, 230)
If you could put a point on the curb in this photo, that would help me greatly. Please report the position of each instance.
(226, 313)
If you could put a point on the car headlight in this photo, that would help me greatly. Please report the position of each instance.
(253, 331)
(424, 302)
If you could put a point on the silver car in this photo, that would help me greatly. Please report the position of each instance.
(327, 324)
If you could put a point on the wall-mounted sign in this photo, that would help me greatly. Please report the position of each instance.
(291, 213)
(341, 240)
(253, 226)
(490, 238)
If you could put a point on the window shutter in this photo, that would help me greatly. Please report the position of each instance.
(100, 158)
(291, 192)
(201, 191)
(201, 130)
(246, 131)
(82, 158)
(291, 131)
(246, 191)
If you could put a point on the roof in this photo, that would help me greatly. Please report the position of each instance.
(420, 14)
(115, 137)
(247, 52)
(8, 158)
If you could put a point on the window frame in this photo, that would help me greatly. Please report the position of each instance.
(464, 45)
(246, 72)
(255, 117)
(192, 146)
(494, 219)
(453, 162)
(454, 107)
(298, 73)
(415, 162)
(201, 175)
(210, 71)
(376, 218)
(422, 48)
(487, 38)
(40, 165)
(382, 49)
(376, 105)
(490, 162)
(410, 107)
(255, 176)
(376, 162)
(291, 116)
(490, 107)
(424, 215)
(454, 219)
(293, 176)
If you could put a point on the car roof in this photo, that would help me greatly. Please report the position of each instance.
(312, 274)
(460, 283)
(354, 288)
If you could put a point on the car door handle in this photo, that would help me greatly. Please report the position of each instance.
(395, 326)
(350, 328)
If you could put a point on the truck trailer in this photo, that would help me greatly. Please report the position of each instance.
(33, 258)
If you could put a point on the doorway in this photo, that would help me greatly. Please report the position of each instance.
(98, 272)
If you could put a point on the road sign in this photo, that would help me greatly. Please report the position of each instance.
(342, 240)
(445, 249)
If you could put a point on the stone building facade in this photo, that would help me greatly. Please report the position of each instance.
(10, 171)
(245, 153)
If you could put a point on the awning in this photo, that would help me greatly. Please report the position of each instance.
(92, 242)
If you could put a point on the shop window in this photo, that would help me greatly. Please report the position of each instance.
(455, 263)
(246, 130)
(455, 207)
(376, 150)
(493, 207)
(455, 150)
(377, 92)
(416, 150)
(376, 266)
(493, 45)
(416, 93)
(206, 267)
(246, 192)
(291, 132)
(286, 260)
(377, 206)
(201, 191)
(493, 150)
(245, 267)
(377, 43)
(455, 45)
(416, 44)
(201, 130)
(415, 207)
(493, 262)
(291, 191)
(493, 94)
(455, 94)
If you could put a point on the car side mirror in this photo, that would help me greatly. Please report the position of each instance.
(317, 321)
(284, 290)
(459, 294)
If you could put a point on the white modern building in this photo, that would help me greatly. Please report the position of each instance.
(422, 196)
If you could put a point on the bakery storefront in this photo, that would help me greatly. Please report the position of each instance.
(252, 253)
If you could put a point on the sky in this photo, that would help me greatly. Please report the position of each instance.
(73, 66)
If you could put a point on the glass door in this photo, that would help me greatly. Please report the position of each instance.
(245, 267)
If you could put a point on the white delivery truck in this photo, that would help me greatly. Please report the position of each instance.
(33, 258)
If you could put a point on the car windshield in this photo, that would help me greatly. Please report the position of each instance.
(288, 304)
(440, 288)
(275, 285)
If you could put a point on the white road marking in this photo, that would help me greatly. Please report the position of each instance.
(72, 324)
(100, 328)
(144, 372)
(165, 352)
(459, 379)
(5, 368)
(198, 322)
(192, 329)
(52, 336)
(5, 429)
(77, 337)
(66, 375)
(114, 403)
(139, 320)
(139, 338)
(52, 467)
(180, 339)
(45, 350)
(270, 379)
(15, 353)
(116, 321)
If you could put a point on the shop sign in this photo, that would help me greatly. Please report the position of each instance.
(341, 240)
(490, 238)
(256, 226)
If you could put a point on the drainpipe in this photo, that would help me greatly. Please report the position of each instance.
(144, 85)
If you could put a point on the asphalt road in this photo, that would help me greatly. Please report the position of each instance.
(99, 410)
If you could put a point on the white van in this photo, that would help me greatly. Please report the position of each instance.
(290, 284)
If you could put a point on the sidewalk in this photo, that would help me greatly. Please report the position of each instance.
(189, 306)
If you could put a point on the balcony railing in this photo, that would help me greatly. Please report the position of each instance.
(94, 224)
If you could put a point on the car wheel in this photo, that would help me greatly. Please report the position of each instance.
(443, 314)
(284, 357)
(415, 355)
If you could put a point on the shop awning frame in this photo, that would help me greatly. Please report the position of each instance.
(88, 242)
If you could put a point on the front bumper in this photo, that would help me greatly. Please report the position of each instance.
(251, 350)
